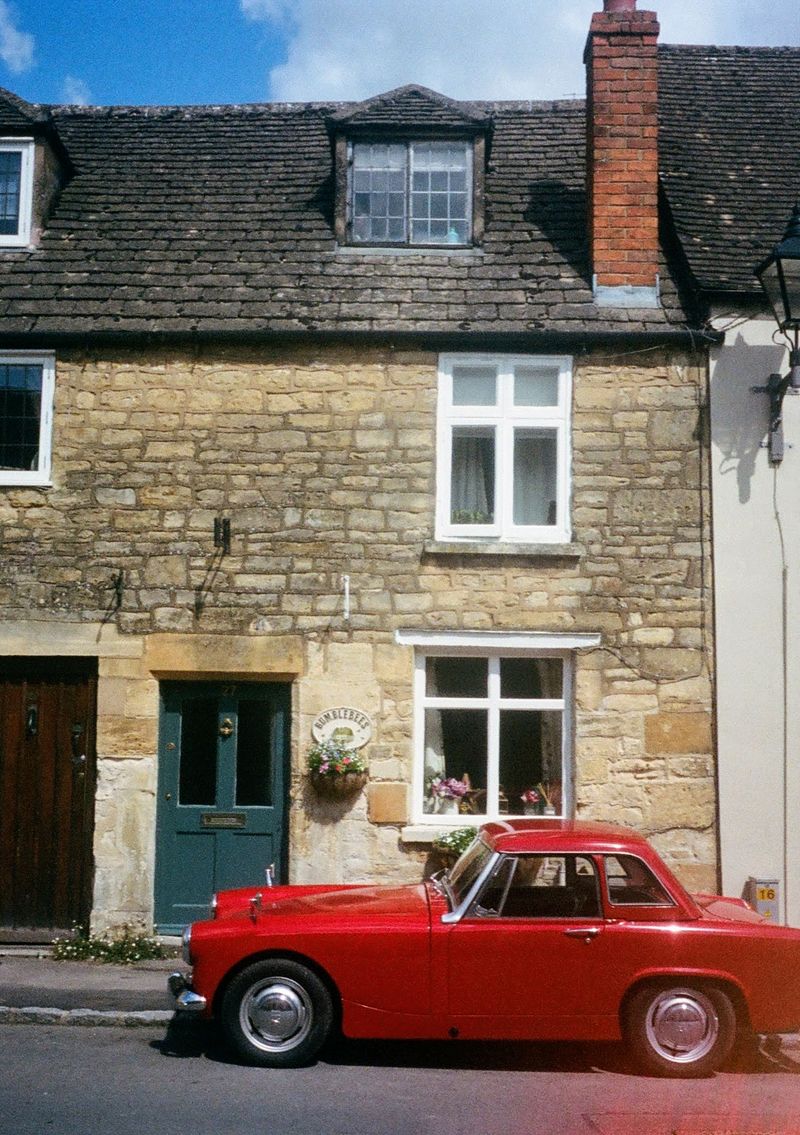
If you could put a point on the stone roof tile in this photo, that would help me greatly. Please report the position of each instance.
(730, 165)
(206, 219)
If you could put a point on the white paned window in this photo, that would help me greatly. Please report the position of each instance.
(492, 733)
(415, 193)
(26, 417)
(503, 448)
(16, 191)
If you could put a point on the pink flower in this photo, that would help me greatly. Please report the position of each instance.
(450, 789)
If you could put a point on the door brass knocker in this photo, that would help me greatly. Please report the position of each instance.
(226, 728)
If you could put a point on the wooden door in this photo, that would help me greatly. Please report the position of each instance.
(47, 787)
(223, 756)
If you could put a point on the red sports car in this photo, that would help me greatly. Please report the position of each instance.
(541, 931)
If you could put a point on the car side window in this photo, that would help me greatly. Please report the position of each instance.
(491, 900)
(630, 882)
(541, 886)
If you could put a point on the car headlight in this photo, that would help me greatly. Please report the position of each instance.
(186, 949)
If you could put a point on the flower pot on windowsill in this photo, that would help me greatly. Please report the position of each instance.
(338, 787)
(447, 806)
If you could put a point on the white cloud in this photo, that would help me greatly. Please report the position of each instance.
(350, 49)
(16, 47)
(267, 9)
(75, 91)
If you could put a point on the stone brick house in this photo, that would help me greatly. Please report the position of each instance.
(314, 407)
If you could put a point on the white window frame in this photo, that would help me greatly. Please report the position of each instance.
(504, 418)
(47, 361)
(492, 646)
(25, 147)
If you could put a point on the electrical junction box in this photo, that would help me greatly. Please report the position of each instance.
(764, 896)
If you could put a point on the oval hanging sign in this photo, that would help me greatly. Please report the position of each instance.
(351, 728)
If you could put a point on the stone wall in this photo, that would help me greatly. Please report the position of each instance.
(325, 467)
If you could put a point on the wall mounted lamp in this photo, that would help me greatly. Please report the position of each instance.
(779, 276)
(222, 534)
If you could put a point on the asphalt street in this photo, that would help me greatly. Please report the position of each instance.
(178, 1080)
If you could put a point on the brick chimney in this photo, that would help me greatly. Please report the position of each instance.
(622, 154)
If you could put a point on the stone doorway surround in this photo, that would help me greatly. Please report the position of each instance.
(129, 670)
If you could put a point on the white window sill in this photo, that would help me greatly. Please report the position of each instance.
(427, 833)
(15, 483)
(501, 548)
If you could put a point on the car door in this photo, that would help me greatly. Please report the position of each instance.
(528, 959)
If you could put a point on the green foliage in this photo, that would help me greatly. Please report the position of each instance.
(455, 841)
(123, 947)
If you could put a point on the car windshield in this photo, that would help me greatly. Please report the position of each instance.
(466, 870)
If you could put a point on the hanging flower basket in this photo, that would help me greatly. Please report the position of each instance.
(339, 786)
(335, 772)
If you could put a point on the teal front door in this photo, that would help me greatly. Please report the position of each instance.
(223, 754)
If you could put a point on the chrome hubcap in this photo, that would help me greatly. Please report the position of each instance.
(682, 1025)
(276, 1014)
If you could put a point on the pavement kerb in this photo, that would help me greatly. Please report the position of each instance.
(37, 1015)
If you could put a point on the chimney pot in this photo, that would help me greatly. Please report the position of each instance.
(619, 5)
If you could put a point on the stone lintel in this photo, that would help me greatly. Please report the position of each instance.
(45, 638)
(224, 656)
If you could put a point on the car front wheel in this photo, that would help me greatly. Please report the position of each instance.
(679, 1030)
(277, 1013)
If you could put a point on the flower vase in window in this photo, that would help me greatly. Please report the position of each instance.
(447, 794)
(531, 801)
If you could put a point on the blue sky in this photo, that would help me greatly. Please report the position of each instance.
(210, 51)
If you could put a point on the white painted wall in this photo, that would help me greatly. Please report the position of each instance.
(756, 518)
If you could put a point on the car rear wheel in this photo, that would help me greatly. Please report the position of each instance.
(679, 1030)
(277, 1013)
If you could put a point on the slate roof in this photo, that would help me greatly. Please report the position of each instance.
(409, 107)
(219, 220)
(729, 155)
(17, 115)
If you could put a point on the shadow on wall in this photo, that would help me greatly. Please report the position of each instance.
(740, 416)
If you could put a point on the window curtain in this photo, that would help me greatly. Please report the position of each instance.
(472, 493)
(434, 740)
(534, 478)
(551, 679)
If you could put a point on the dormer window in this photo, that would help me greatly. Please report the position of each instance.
(415, 192)
(409, 171)
(16, 190)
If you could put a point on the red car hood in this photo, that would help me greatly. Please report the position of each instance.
(733, 910)
(405, 902)
(233, 901)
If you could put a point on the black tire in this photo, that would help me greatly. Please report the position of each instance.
(679, 1030)
(276, 1014)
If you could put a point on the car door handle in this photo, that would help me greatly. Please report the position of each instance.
(586, 932)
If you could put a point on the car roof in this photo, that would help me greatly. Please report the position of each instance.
(551, 836)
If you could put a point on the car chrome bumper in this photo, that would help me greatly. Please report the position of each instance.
(186, 1000)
